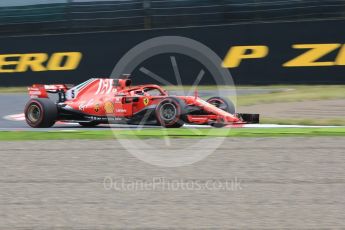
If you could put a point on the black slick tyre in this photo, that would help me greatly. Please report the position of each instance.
(170, 112)
(40, 113)
(223, 103)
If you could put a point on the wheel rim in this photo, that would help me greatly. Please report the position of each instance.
(34, 113)
(168, 112)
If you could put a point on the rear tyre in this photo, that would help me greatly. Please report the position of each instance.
(40, 113)
(170, 112)
(89, 124)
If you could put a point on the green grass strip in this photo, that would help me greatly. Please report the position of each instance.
(173, 133)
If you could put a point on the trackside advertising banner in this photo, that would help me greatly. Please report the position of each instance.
(271, 53)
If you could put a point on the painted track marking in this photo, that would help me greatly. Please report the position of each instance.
(21, 117)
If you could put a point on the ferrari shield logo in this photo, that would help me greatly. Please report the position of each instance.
(97, 108)
(146, 101)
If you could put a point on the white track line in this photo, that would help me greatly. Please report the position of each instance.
(21, 117)
(15, 117)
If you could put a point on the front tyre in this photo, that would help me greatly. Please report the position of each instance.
(170, 112)
(40, 113)
(223, 103)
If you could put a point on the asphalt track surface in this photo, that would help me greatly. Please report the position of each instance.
(13, 103)
(283, 183)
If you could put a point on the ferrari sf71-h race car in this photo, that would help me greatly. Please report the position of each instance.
(100, 100)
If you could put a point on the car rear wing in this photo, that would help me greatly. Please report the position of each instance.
(41, 91)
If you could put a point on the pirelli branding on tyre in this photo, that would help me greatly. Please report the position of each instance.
(270, 53)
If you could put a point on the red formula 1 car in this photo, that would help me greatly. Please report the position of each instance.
(100, 100)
